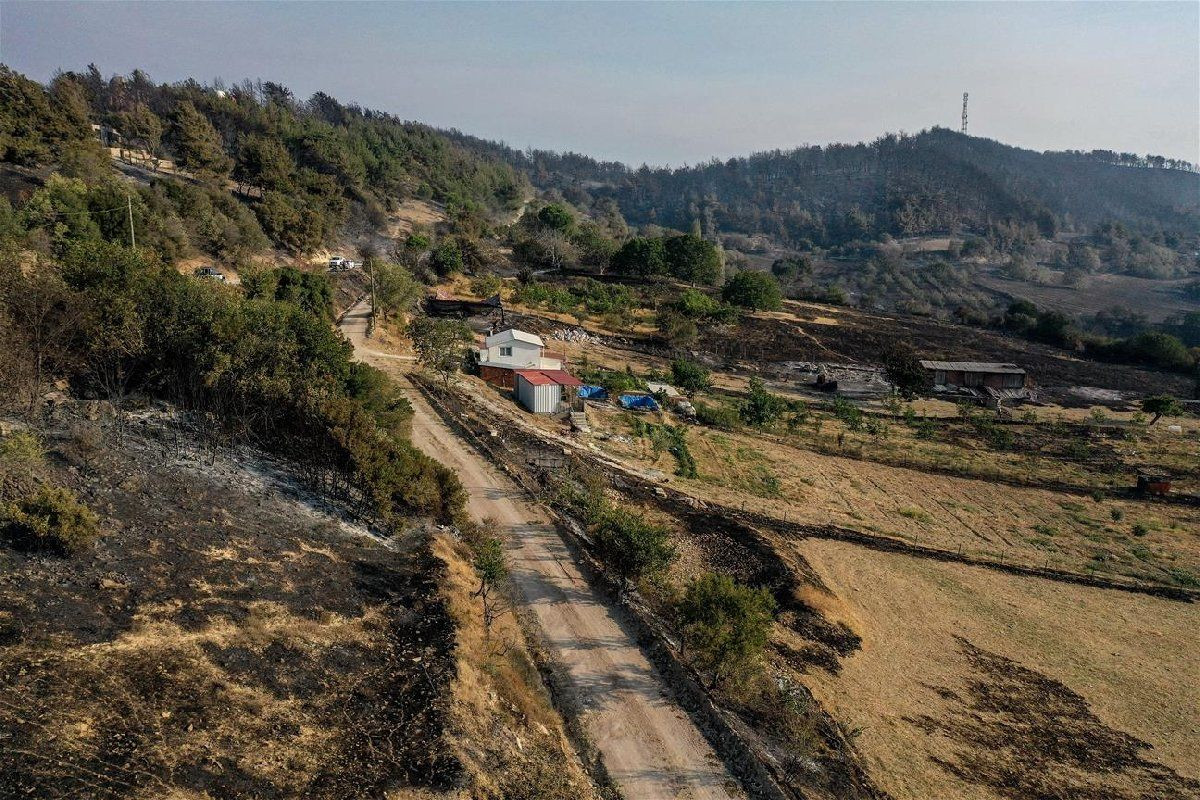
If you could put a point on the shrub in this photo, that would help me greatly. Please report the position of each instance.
(751, 289)
(726, 625)
(21, 458)
(719, 416)
(634, 547)
(848, 413)
(1160, 406)
(486, 285)
(761, 408)
(53, 519)
(690, 376)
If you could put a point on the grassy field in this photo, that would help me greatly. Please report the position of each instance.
(974, 684)
(1034, 527)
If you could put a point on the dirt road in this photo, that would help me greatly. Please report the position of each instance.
(650, 747)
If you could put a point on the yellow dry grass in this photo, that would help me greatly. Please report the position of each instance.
(504, 727)
(1131, 658)
(1029, 526)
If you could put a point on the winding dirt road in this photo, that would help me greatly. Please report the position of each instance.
(650, 747)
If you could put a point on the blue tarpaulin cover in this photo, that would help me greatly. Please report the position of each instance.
(593, 392)
(639, 402)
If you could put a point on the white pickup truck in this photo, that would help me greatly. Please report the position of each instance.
(339, 264)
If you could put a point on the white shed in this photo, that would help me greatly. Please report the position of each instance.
(542, 391)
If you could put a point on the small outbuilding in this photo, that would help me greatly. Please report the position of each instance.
(975, 374)
(991, 382)
(545, 391)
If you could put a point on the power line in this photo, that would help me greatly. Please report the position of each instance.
(88, 211)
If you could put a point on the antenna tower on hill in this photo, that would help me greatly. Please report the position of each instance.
(964, 125)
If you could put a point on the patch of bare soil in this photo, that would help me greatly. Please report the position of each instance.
(1028, 737)
(224, 639)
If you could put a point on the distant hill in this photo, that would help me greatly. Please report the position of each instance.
(937, 181)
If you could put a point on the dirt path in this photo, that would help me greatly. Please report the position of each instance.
(650, 747)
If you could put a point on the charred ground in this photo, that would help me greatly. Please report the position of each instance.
(226, 636)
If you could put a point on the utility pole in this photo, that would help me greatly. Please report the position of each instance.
(964, 118)
(132, 239)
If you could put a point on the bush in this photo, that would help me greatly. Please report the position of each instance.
(690, 376)
(755, 290)
(726, 625)
(761, 408)
(634, 547)
(51, 519)
(719, 416)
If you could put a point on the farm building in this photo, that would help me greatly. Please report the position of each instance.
(975, 374)
(988, 381)
(505, 352)
(544, 391)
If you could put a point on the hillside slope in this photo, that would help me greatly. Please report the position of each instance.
(938, 180)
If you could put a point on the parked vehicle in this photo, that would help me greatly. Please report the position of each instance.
(211, 273)
(339, 264)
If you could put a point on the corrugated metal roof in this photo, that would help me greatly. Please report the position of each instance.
(511, 334)
(974, 366)
(545, 377)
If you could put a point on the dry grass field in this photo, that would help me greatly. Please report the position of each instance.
(974, 684)
(1147, 541)
(1157, 299)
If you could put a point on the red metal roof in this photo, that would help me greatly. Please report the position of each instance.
(545, 377)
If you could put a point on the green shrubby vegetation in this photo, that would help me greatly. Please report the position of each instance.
(265, 364)
(1149, 348)
(754, 290)
(304, 167)
(50, 519)
(634, 547)
(726, 626)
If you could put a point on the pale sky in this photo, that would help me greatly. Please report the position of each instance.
(674, 83)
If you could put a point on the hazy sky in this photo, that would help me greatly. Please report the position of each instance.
(674, 82)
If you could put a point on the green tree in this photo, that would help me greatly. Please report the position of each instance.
(396, 290)
(761, 408)
(726, 626)
(198, 143)
(446, 258)
(1163, 405)
(755, 290)
(903, 369)
(556, 217)
(640, 257)
(633, 546)
(692, 259)
(264, 162)
(492, 572)
(142, 128)
(690, 376)
(792, 267)
(440, 344)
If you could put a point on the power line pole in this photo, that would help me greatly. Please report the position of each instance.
(132, 238)
(964, 118)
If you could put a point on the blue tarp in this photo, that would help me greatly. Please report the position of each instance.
(593, 392)
(639, 402)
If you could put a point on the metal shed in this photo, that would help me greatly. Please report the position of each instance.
(541, 391)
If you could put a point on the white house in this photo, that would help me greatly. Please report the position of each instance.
(513, 350)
